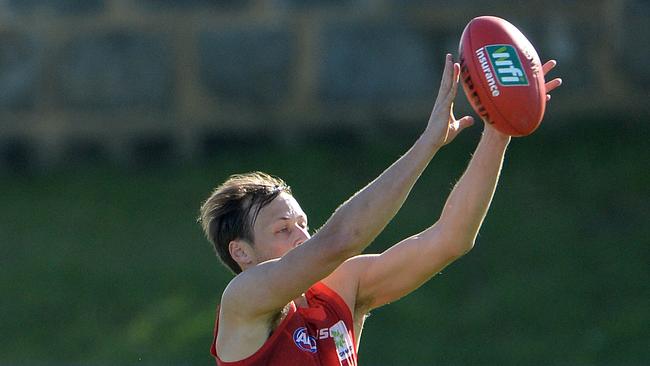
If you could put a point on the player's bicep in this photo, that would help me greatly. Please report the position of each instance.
(402, 269)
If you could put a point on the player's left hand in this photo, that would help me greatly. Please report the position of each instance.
(550, 85)
(442, 122)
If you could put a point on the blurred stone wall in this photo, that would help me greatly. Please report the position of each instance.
(145, 80)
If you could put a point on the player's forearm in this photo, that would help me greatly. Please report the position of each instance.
(470, 199)
(360, 219)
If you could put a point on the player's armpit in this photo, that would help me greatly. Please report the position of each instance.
(403, 268)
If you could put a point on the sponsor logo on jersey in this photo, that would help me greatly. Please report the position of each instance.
(343, 342)
(304, 341)
(506, 64)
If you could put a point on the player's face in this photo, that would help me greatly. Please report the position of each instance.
(280, 226)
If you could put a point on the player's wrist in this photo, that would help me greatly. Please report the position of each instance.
(432, 138)
(492, 134)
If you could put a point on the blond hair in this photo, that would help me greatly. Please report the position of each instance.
(232, 208)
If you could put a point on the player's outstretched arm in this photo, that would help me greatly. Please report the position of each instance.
(267, 287)
(407, 265)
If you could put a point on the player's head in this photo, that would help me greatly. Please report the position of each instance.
(248, 209)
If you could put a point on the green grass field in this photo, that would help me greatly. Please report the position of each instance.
(107, 265)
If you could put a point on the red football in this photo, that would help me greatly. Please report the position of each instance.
(502, 75)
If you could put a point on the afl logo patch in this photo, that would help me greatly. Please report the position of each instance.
(304, 341)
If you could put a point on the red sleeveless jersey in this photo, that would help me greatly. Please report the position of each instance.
(321, 334)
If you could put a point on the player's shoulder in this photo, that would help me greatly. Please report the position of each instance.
(355, 265)
(241, 295)
(234, 294)
(345, 279)
(240, 286)
(351, 268)
(231, 293)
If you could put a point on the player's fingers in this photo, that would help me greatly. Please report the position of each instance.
(553, 84)
(447, 77)
(454, 125)
(450, 94)
(548, 66)
(454, 84)
(465, 122)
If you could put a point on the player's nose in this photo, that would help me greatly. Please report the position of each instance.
(301, 236)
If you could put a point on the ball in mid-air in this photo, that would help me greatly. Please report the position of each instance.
(502, 75)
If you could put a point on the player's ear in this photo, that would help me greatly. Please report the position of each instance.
(241, 252)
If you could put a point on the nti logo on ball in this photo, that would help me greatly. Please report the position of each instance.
(505, 62)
